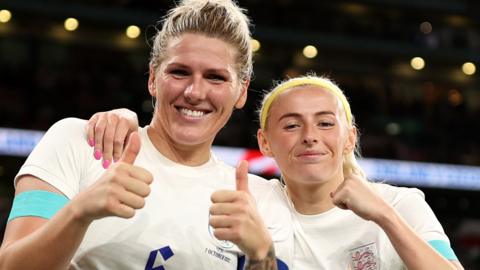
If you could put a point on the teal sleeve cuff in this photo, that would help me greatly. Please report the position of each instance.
(444, 249)
(37, 203)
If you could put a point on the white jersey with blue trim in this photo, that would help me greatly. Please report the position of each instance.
(339, 239)
(171, 232)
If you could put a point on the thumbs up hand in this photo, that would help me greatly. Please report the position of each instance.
(234, 217)
(119, 191)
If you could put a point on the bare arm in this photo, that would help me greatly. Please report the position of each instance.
(58, 238)
(51, 244)
(414, 251)
(357, 195)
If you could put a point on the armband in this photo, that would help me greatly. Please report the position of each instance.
(37, 203)
(444, 249)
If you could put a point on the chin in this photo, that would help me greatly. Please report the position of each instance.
(190, 138)
(312, 178)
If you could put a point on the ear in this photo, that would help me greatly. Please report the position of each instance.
(243, 95)
(151, 82)
(263, 144)
(351, 140)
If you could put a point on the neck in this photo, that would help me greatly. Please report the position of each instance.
(189, 155)
(311, 199)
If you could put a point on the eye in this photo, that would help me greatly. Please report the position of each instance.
(326, 124)
(291, 126)
(179, 73)
(216, 78)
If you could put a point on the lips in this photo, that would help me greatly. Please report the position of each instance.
(309, 153)
(191, 112)
(311, 156)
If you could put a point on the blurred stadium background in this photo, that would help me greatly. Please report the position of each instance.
(408, 67)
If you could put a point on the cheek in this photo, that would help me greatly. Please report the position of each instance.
(170, 88)
(223, 97)
(337, 142)
(282, 146)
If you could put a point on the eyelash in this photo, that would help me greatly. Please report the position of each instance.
(327, 124)
(179, 72)
(291, 126)
(214, 77)
(322, 124)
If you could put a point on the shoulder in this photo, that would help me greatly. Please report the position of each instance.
(61, 156)
(69, 122)
(263, 186)
(65, 133)
(69, 125)
(394, 195)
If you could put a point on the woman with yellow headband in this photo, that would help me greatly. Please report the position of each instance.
(341, 220)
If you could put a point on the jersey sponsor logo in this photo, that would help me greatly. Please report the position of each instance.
(364, 257)
(156, 262)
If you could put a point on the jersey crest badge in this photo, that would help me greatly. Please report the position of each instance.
(364, 257)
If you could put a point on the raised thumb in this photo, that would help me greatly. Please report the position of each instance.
(131, 150)
(241, 174)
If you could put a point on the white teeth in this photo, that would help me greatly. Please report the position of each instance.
(192, 113)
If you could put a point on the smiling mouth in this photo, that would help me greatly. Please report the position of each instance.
(191, 113)
(310, 154)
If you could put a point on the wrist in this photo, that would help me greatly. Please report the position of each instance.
(386, 218)
(78, 213)
(269, 261)
(262, 251)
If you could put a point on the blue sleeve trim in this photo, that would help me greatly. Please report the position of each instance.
(444, 249)
(37, 203)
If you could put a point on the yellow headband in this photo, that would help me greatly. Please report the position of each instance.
(308, 80)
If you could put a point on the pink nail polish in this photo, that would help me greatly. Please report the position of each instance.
(106, 163)
(91, 142)
(97, 154)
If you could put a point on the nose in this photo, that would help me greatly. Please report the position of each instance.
(309, 136)
(196, 91)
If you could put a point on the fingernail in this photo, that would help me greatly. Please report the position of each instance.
(97, 154)
(91, 142)
(106, 163)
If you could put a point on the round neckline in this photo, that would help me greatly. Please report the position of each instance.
(306, 218)
(152, 150)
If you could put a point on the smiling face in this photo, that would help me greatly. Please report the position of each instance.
(196, 87)
(306, 132)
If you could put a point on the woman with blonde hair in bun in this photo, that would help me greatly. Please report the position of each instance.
(167, 202)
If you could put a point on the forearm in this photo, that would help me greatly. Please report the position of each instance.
(414, 251)
(268, 263)
(51, 246)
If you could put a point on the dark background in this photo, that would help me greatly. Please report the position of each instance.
(47, 73)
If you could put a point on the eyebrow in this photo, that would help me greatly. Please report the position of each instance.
(298, 115)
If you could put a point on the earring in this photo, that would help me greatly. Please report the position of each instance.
(154, 102)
